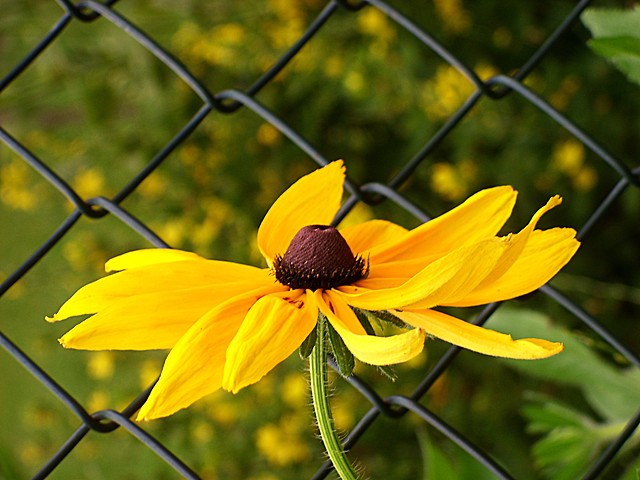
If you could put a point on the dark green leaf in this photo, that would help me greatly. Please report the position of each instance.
(364, 320)
(307, 346)
(344, 357)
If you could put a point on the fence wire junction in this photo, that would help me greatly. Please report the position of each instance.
(230, 101)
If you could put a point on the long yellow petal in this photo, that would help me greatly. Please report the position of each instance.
(517, 243)
(481, 216)
(314, 199)
(195, 365)
(364, 236)
(370, 349)
(545, 253)
(447, 279)
(152, 320)
(274, 328)
(149, 256)
(166, 277)
(478, 339)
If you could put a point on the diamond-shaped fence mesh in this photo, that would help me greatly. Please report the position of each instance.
(415, 92)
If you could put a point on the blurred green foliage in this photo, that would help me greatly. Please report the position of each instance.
(616, 35)
(96, 107)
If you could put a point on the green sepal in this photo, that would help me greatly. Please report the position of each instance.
(387, 316)
(362, 316)
(307, 346)
(379, 316)
(388, 371)
(343, 356)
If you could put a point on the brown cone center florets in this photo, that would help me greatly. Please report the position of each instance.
(318, 257)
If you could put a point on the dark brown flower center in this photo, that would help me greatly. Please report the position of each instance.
(318, 257)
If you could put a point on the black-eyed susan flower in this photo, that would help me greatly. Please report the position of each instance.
(227, 325)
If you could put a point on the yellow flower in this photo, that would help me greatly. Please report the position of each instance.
(228, 324)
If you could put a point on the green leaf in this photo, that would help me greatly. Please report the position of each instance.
(612, 22)
(435, 464)
(616, 37)
(612, 392)
(439, 464)
(344, 357)
(307, 346)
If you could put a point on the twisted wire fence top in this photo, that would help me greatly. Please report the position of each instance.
(395, 179)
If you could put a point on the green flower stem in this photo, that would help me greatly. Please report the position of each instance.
(320, 396)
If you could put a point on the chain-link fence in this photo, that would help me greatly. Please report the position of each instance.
(496, 88)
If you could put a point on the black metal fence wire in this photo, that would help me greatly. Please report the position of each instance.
(230, 101)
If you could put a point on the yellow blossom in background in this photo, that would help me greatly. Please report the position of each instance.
(227, 325)
(567, 89)
(354, 82)
(453, 182)
(333, 66)
(83, 252)
(173, 231)
(290, 23)
(101, 365)
(445, 93)
(373, 22)
(455, 18)
(295, 390)
(344, 412)
(148, 372)
(99, 400)
(217, 213)
(268, 135)
(282, 443)
(154, 186)
(89, 183)
(16, 186)
(202, 432)
(568, 157)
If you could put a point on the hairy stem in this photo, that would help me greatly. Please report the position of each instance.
(320, 395)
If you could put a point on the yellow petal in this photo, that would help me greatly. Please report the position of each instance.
(152, 320)
(314, 199)
(517, 243)
(481, 216)
(165, 277)
(545, 253)
(364, 236)
(370, 349)
(149, 256)
(447, 279)
(272, 330)
(195, 365)
(478, 339)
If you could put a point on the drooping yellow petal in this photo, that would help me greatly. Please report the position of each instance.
(478, 339)
(152, 320)
(149, 256)
(166, 277)
(481, 216)
(314, 199)
(545, 253)
(364, 236)
(272, 330)
(447, 279)
(195, 365)
(370, 349)
(517, 243)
